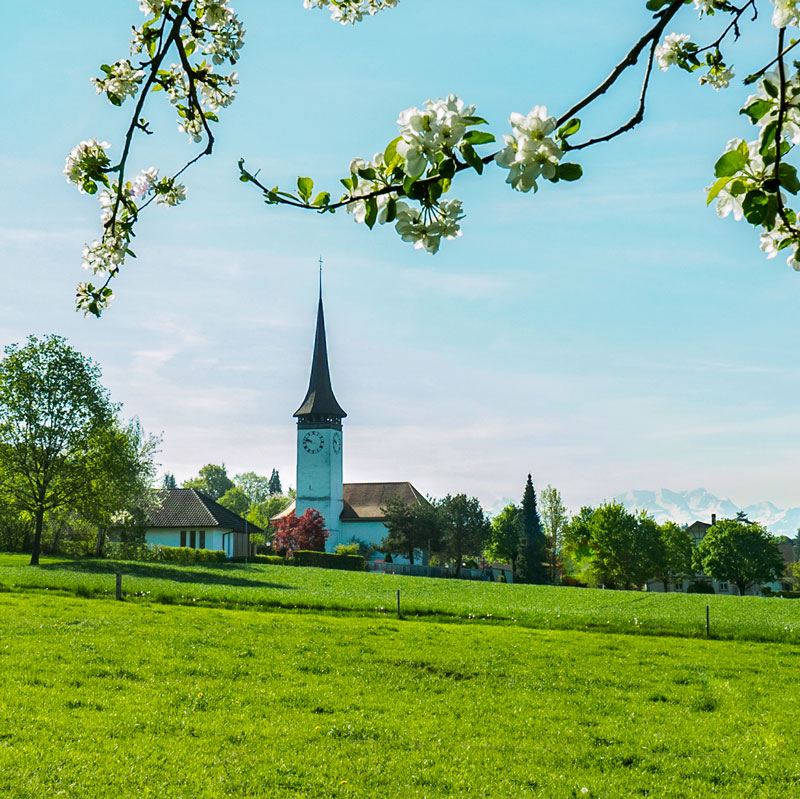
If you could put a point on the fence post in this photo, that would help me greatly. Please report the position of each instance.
(398, 604)
(708, 622)
(119, 586)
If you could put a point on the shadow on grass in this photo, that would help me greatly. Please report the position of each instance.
(227, 574)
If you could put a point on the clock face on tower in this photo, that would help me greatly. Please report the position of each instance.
(337, 443)
(313, 442)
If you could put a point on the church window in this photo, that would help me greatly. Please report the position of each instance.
(192, 541)
(183, 538)
(723, 586)
(202, 539)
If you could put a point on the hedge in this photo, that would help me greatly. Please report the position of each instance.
(274, 560)
(327, 560)
(189, 555)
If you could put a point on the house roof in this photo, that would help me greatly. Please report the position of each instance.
(186, 507)
(363, 501)
(319, 400)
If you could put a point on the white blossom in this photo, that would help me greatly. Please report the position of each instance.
(86, 162)
(531, 152)
(426, 132)
(668, 52)
(426, 227)
(151, 6)
(101, 257)
(717, 77)
(358, 208)
(770, 239)
(121, 81)
(144, 182)
(169, 192)
(705, 6)
(787, 12)
(350, 11)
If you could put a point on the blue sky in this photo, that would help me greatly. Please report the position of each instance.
(606, 335)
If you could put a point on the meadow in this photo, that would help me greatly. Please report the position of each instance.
(114, 700)
(374, 595)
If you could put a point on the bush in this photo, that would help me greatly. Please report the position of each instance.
(114, 550)
(274, 560)
(327, 560)
(348, 549)
(700, 587)
(572, 582)
(188, 555)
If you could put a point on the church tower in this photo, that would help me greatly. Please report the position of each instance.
(319, 441)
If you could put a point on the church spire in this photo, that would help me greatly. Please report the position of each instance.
(320, 405)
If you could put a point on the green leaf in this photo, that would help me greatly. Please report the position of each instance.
(390, 155)
(447, 168)
(474, 121)
(757, 110)
(372, 212)
(391, 210)
(408, 184)
(348, 183)
(569, 171)
(367, 173)
(322, 199)
(471, 157)
(478, 137)
(755, 206)
(304, 187)
(787, 174)
(569, 128)
(770, 88)
(729, 164)
(718, 186)
(654, 5)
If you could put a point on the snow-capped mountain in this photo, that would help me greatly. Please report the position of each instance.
(686, 507)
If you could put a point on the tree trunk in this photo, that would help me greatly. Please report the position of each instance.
(411, 556)
(37, 536)
(101, 542)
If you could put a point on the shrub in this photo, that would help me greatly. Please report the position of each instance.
(700, 587)
(348, 549)
(188, 555)
(327, 560)
(275, 560)
(306, 532)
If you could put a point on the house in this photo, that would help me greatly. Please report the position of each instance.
(361, 516)
(697, 530)
(185, 517)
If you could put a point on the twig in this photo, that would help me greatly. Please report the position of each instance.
(630, 60)
(637, 117)
(779, 135)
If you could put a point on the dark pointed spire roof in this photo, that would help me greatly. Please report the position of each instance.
(320, 400)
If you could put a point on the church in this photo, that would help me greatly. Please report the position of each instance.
(352, 511)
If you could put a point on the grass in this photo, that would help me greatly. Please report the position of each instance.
(117, 700)
(542, 607)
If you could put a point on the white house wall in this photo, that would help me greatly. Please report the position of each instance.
(171, 537)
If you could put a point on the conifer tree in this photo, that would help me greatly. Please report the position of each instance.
(532, 564)
(275, 483)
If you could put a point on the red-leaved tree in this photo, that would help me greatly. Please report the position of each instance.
(306, 532)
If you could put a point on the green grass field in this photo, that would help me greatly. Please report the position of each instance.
(126, 700)
(359, 594)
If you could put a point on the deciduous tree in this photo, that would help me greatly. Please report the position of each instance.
(674, 558)
(305, 532)
(52, 407)
(739, 552)
(554, 519)
(465, 528)
(505, 537)
(212, 480)
(411, 528)
(407, 183)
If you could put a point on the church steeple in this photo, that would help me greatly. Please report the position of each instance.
(320, 408)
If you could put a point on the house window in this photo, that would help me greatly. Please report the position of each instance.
(183, 538)
(192, 540)
(202, 539)
(722, 586)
